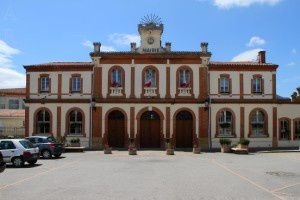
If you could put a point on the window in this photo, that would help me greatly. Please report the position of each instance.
(297, 129)
(26, 144)
(224, 85)
(150, 78)
(75, 123)
(257, 85)
(76, 84)
(258, 125)
(225, 124)
(2, 103)
(284, 129)
(116, 78)
(43, 122)
(184, 79)
(13, 104)
(7, 145)
(45, 84)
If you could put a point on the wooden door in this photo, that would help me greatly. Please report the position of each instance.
(184, 130)
(150, 130)
(116, 129)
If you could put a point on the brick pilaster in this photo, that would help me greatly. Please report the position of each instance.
(203, 126)
(242, 122)
(203, 83)
(97, 82)
(168, 122)
(58, 118)
(132, 119)
(168, 92)
(97, 126)
(132, 85)
(242, 86)
(26, 121)
(274, 138)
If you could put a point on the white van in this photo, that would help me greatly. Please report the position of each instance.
(18, 151)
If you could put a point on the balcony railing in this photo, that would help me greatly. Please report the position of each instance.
(150, 91)
(15, 132)
(116, 91)
(184, 91)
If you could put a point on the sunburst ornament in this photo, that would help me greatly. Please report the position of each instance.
(151, 19)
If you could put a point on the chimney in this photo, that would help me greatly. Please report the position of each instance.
(133, 46)
(97, 46)
(204, 46)
(262, 57)
(168, 46)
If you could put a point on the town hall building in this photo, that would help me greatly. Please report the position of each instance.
(152, 94)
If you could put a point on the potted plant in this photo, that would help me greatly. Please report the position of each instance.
(170, 149)
(107, 149)
(225, 145)
(243, 144)
(75, 142)
(131, 148)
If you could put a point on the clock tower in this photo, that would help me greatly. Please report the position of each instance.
(150, 30)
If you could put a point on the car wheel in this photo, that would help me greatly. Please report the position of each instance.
(57, 155)
(32, 162)
(18, 162)
(46, 154)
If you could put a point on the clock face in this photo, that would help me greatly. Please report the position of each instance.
(150, 40)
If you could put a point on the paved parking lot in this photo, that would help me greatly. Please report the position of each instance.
(153, 175)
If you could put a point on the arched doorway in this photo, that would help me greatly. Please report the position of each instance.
(184, 130)
(116, 129)
(150, 130)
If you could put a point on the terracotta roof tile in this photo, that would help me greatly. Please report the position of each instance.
(12, 113)
(62, 64)
(241, 63)
(13, 92)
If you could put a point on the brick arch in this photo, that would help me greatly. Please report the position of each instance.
(109, 80)
(67, 120)
(195, 141)
(290, 126)
(233, 121)
(105, 135)
(184, 67)
(266, 133)
(138, 118)
(35, 120)
(157, 80)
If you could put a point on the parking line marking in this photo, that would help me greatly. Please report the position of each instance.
(39, 174)
(245, 178)
(288, 186)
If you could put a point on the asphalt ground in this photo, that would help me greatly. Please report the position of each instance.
(154, 175)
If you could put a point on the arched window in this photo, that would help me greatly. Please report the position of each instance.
(43, 122)
(184, 78)
(150, 78)
(258, 125)
(284, 129)
(225, 124)
(75, 123)
(116, 78)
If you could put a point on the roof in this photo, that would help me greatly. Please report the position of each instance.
(62, 64)
(240, 63)
(13, 92)
(12, 113)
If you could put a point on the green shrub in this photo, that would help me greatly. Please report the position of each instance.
(225, 141)
(244, 141)
(75, 140)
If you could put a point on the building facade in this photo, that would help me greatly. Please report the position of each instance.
(151, 93)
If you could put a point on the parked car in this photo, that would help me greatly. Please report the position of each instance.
(18, 151)
(2, 163)
(48, 146)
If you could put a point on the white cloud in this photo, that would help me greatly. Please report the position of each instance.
(294, 51)
(227, 4)
(9, 77)
(291, 64)
(250, 55)
(123, 38)
(256, 41)
(89, 44)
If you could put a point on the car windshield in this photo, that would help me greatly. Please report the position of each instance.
(52, 139)
(26, 144)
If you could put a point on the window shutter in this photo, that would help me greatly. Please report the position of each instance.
(252, 91)
(262, 86)
(70, 85)
(230, 85)
(49, 85)
(219, 86)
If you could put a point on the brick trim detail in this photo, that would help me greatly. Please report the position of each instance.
(132, 120)
(132, 83)
(59, 86)
(274, 92)
(168, 122)
(274, 138)
(168, 89)
(58, 118)
(241, 86)
(266, 132)
(203, 83)
(27, 86)
(97, 122)
(67, 131)
(97, 82)
(233, 121)
(242, 122)
(115, 67)
(27, 121)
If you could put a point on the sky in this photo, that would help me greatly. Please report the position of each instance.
(34, 31)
